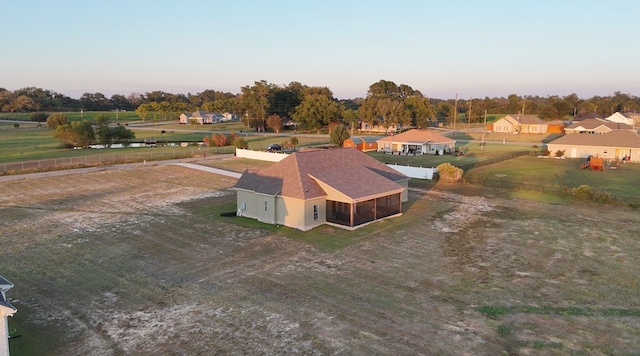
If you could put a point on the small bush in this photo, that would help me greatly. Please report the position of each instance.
(449, 173)
(240, 142)
(546, 152)
(588, 193)
(559, 153)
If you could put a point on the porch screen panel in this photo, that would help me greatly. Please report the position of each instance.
(365, 212)
(338, 213)
(387, 206)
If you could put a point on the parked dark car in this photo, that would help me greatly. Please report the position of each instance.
(274, 147)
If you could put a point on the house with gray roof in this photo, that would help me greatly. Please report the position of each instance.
(6, 310)
(201, 117)
(615, 144)
(620, 118)
(525, 124)
(342, 187)
(595, 126)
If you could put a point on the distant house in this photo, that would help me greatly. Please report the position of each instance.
(615, 144)
(417, 142)
(362, 143)
(588, 115)
(342, 187)
(366, 127)
(620, 118)
(525, 124)
(201, 117)
(595, 126)
(227, 116)
(6, 310)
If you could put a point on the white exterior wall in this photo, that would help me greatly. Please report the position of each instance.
(4, 334)
(586, 151)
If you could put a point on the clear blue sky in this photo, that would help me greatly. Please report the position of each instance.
(472, 48)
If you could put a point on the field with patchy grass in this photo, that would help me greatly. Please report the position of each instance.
(147, 261)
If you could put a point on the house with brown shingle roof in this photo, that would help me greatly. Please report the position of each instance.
(525, 124)
(616, 144)
(595, 126)
(417, 142)
(342, 187)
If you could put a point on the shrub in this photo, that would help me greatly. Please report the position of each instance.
(449, 173)
(219, 140)
(38, 116)
(560, 153)
(588, 193)
(239, 142)
(546, 152)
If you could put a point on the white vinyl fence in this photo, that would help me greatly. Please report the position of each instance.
(415, 172)
(261, 155)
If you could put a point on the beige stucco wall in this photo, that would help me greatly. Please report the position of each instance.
(247, 204)
(503, 125)
(294, 213)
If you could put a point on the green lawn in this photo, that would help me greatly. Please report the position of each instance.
(529, 170)
(473, 153)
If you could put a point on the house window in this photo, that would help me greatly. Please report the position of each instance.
(315, 213)
(265, 205)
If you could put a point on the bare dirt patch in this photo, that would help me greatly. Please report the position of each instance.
(142, 262)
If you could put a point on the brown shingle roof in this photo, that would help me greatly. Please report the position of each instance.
(525, 119)
(347, 170)
(616, 138)
(417, 136)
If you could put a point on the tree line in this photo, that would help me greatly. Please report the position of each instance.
(264, 105)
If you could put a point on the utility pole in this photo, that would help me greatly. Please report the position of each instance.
(484, 125)
(469, 114)
(484, 129)
(524, 100)
(455, 114)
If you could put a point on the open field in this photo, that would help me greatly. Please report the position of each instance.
(145, 261)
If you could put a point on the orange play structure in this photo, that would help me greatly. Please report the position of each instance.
(594, 163)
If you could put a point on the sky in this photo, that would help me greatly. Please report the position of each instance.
(472, 49)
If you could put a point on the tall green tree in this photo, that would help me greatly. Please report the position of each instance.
(255, 102)
(338, 135)
(315, 111)
(75, 134)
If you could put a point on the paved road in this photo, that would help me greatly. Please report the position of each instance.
(188, 163)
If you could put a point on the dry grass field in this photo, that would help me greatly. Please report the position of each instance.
(144, 262)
